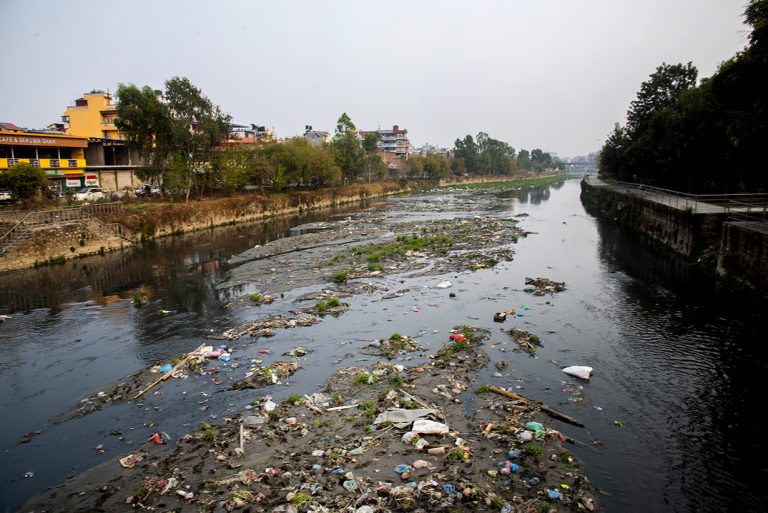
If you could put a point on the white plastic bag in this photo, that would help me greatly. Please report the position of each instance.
(579, 371)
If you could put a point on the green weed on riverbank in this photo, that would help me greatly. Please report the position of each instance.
(514, 182)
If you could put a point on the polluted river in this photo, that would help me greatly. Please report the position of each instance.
(391, 355)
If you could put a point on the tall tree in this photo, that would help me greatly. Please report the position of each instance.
(346, 148)
(661, 90)
(177, 135)
(370, 147)
(467, 150)
(524, 159)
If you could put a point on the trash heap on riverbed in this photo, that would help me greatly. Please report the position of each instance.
(542, 286)
(258, 329)
(373, 439)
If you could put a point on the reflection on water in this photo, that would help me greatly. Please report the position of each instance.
(691, 361)
(169, 268)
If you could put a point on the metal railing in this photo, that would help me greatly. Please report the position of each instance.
(84, 214)
(747, 212)
(688, 201)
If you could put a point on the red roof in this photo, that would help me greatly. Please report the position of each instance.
(10, 127)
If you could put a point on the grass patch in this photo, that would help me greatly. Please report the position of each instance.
(243, 495)
(321, 306)
(482, 389)
(514, 182)
(300, 498)
(369, 409)
(365, 378)
(337, 399)
(340, 277)
(293, 399)
(333, 302)
(209, 435)
(534, 450)
(256, 298)
(397, 379)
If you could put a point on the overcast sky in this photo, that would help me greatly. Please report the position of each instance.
(553, 74)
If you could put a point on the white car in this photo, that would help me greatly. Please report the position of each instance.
(89, 194)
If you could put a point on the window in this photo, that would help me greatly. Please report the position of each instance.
(72, 163)
(54, 163)
(12, 162)
(34, 162)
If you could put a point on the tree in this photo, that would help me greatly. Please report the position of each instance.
(370, 147)
(457, 166)
(24, 180)
(705, 138)
(176, 136)
(540, 160)
(493, 154)
(524, 159)
(197, 127)
(660, 91)
(467, 150)
(147, 125)
(346, 148)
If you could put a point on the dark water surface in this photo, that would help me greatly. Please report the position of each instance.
(678, 359)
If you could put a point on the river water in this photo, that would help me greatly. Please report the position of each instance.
(678, 358)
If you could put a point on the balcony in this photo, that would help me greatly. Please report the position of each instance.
(44, 163)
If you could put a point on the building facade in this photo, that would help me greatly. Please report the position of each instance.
(110, 160)
(393, 145)
(92, 115)
(61, 157)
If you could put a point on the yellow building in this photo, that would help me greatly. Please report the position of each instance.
(110, 160)
(62, 157)
(92, 115)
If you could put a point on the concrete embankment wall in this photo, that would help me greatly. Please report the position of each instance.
(744, 254)
(175, 218)
(732, 249)
(690, 234)
(159, 219)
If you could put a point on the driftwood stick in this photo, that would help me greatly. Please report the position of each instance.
(170, 372)
(337, 408)
(242, 438)
(546, 409)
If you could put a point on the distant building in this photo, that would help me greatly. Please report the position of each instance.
(61, 157)
(316, 137)
(431, 148)
(244, 134)
(393, 145)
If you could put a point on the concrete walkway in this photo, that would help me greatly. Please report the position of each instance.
(680, 202)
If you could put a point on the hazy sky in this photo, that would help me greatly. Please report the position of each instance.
(554, 74)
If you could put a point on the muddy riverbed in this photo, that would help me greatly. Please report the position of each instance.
(656, 432)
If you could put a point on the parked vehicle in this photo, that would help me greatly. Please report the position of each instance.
(147, 190)
(89, 194)
(5, 196)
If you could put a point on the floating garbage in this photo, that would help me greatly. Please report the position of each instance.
(429, 427)
(131, 460)
(443, 284)
(578, 371)
(351, 485)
